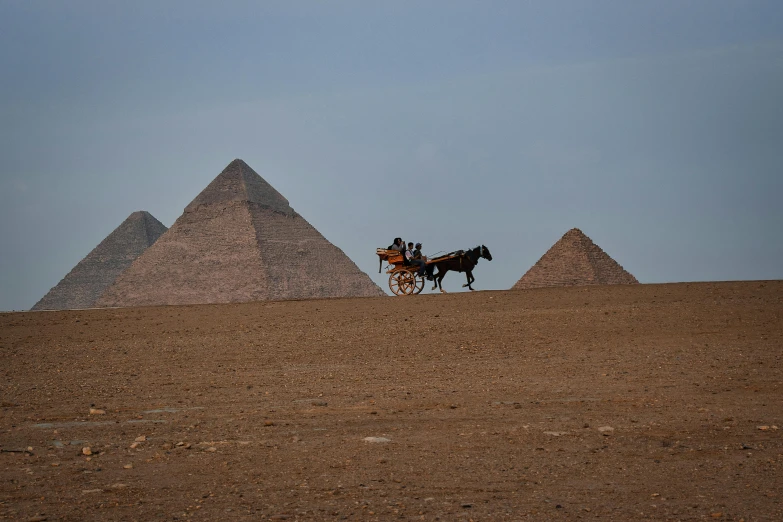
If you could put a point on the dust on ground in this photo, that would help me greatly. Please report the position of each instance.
(643, 402)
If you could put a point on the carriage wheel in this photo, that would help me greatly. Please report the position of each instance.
(402, 282)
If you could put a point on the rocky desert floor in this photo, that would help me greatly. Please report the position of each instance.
(645, 402)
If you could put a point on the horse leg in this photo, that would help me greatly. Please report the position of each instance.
(439, 280)
(470, 279)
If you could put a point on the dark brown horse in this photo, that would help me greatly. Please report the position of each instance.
(460, 261)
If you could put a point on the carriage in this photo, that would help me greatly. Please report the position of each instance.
(404, 278)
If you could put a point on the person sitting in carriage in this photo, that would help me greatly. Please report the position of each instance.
(411, 259)
(418, 255)
(398, 245)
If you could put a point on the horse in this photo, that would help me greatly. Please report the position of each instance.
(460, 261)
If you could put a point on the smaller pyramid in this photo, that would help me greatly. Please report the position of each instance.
(90, 278)
(575, 261)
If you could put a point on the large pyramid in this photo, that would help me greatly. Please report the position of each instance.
(575, 261)
(239, 240)
(83, 285)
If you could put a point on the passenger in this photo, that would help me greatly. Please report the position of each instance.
(418, 255)
(398, 245)
(411, 259)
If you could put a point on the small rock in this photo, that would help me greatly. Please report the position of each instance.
(167, 446)
(319, 403)
(269, 423)
(211, 449)
(180, 444)
(376, 439)
(467, 505)
(118, 486)
(96, 411)
(86, 450)
(763, 428)
(140, 438)
(606, 430)
(716, 515)
(555, 433)
(128, 466)
(55, 464)
(89, 491)
(135, 445)
(38, 518)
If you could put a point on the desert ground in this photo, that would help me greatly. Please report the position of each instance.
(638, 402)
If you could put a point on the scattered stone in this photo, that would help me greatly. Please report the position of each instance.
(166, 446)
(58, 444)
(211, 449)
(555, 433)
(90, 491)
(141, 438)
(55, 464)
(38, 518)
(128, 466)
(269, 423)
(319, 403)
(376, 439)
(606, 430)
(95, 411)
(180, 444)
(118, 486)
(135, 445)
(467, 505)
(86, 450)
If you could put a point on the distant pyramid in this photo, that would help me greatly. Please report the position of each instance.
(83, 285)
(239, 240)
(575, 261)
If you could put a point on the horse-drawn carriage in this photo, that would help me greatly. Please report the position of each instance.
(404, 278)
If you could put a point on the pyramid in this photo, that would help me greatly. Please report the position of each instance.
(238, 240)
(83, 285)
(574, 261)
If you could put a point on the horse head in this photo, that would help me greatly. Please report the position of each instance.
(484, 252)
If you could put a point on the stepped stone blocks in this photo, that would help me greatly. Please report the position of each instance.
(85, 283)
(574, 261)
(239, 240)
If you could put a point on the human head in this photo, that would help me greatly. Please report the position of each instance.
(410, 245)
(418, 245)
(397, 240)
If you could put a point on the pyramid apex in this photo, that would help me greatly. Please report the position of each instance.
(239, 182)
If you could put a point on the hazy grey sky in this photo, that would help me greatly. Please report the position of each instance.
(654, 126)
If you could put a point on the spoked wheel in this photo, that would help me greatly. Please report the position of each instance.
(404, 282)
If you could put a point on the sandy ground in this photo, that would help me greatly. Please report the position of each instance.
(648, 402)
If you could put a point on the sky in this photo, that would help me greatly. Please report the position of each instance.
(655, 127)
